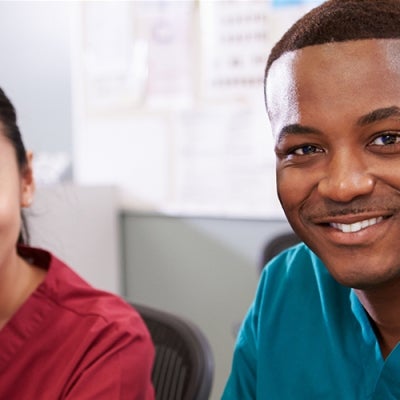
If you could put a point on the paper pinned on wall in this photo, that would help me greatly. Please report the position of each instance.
(52, 167)
(285, 3)
(235, 38)
(137, 54)
(224, 164)
(169, 29)
(113, 58)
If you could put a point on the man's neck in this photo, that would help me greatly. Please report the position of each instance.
(383, 308)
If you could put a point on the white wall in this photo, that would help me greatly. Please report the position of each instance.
(35, 70)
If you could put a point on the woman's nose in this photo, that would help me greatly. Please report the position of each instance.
(346, 177)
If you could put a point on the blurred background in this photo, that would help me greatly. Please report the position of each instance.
(153, 153)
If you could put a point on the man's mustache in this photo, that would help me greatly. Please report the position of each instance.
(328, 208)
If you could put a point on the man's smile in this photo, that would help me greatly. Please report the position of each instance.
(352, 226)
(356, 226)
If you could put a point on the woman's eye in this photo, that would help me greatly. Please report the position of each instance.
(306, 150)
(387, 139)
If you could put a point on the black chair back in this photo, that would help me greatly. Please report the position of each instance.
(184, 364)
(276, 245)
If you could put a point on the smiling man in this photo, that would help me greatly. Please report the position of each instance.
(325, 323)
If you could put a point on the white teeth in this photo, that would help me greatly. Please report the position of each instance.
(356, 226)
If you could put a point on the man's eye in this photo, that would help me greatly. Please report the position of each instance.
(387, 139)
(306, 150)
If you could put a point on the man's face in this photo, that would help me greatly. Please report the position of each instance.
(335, 115)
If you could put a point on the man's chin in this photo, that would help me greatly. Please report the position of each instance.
(360, 280)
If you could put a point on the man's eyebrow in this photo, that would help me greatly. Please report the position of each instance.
(378, 115)
(295, 129)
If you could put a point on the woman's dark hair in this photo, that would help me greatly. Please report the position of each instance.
(8, 117)
(340, 21)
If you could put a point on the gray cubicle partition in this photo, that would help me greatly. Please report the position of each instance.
(79, 224)
(205, 269)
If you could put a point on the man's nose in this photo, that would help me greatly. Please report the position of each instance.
(346, 177)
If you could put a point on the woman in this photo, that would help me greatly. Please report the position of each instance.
(59, 337)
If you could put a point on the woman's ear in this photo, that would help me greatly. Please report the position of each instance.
(27, 182)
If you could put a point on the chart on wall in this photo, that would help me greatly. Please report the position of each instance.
(171, 106)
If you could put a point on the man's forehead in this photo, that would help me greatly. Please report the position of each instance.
(352, 78)
(387, 49)
(325, 60)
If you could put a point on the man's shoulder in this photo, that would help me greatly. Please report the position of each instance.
(295, 274)
(296, 260)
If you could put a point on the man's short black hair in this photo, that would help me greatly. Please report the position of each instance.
(341, 21)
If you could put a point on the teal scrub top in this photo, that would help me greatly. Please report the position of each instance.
(307, 337)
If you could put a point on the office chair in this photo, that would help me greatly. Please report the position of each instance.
(184, 364)
(276, 245)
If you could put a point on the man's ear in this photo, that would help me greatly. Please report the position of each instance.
(27, 182)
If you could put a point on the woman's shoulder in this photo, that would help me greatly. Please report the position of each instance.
(73, 297)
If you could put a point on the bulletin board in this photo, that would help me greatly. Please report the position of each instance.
(170, 104)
